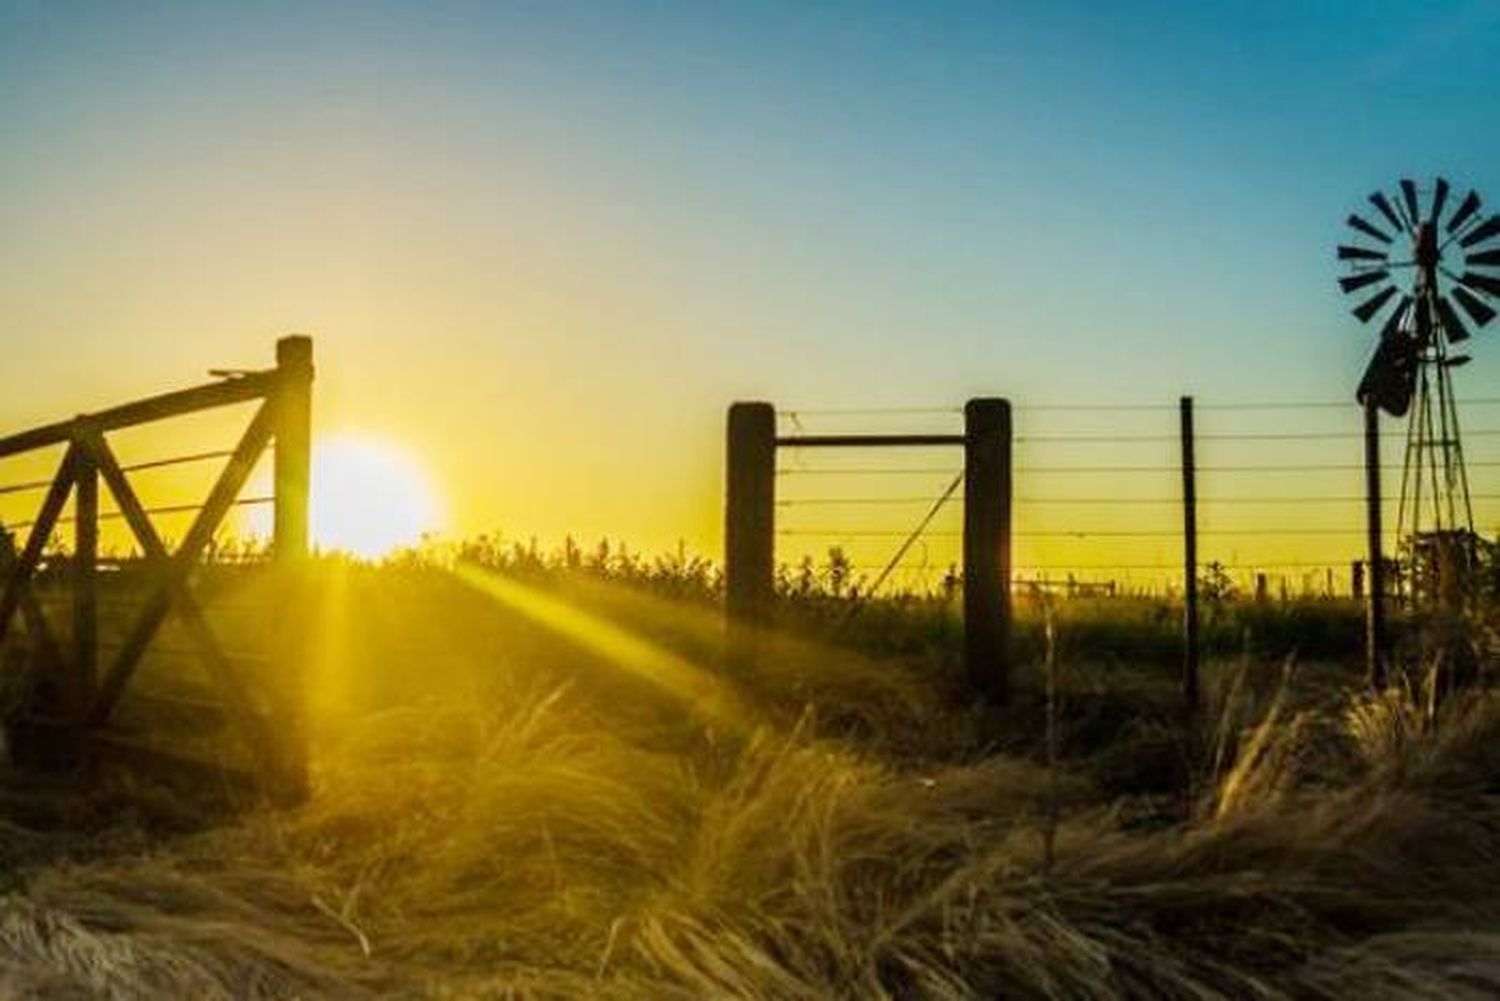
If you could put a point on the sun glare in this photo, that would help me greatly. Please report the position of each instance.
(368, 498)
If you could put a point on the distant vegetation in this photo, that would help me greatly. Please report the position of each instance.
(537, 776)
(830, 599)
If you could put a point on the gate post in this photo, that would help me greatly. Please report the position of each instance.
(294, 362)
(750, 514)
(986, 541)
(293, 474)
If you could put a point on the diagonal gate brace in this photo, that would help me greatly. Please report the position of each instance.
(171, 588)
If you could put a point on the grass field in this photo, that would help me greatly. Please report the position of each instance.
(548, 782)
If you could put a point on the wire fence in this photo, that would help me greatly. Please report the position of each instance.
(1097, 502)
(1098, 495)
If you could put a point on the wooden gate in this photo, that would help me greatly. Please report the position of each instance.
(86, 691)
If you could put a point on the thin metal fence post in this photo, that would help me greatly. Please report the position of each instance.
(1375, 631)
(1190, 686)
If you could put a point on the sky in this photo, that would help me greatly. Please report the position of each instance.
(541, 246)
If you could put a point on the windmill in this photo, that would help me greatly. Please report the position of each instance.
(1427, 278)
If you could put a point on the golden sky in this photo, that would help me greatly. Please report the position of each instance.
(541, 254)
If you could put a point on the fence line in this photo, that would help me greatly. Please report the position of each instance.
(865, 505)
(790, 413)
(1306, 467)
(1304, 499)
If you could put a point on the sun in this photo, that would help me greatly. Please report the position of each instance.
(368, 497)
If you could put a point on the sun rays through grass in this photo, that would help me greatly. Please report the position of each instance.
(530, 791)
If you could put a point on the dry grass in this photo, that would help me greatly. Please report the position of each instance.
(532, 828)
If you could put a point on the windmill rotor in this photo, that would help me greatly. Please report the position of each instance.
(1437, 270)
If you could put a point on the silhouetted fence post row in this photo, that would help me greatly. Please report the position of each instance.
(1302, 506)
(87, 698)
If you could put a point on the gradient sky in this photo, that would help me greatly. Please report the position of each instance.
(543, 245)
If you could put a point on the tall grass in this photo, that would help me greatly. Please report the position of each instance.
(500, 813)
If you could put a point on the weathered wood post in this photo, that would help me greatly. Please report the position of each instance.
(987, 552)
(85, 659)
(749, 521)
(293, 472)
(293, 476)
(1189, 560)
(1375, 635)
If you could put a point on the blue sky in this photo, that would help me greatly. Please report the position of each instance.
(582, 224)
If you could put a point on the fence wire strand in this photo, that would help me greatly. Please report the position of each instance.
(1238, 521)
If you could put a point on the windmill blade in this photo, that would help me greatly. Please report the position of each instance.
(1439, 197)
(1490, 227)
(1347, 253)
(1466, 208)
(1484, 283)
(1382, 203)
(1370, 307)
(1393, 323)
(1355, 282)
(1478, 310)
(1367, 229)
(1390, 378)
(1452, 325)
(1489, 258)
(1409, 195)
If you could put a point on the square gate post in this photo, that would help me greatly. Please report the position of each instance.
(294, 363)
(987, 546)
(750, 515)
(293, 475)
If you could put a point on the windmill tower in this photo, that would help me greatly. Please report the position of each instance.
(1420, 266)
